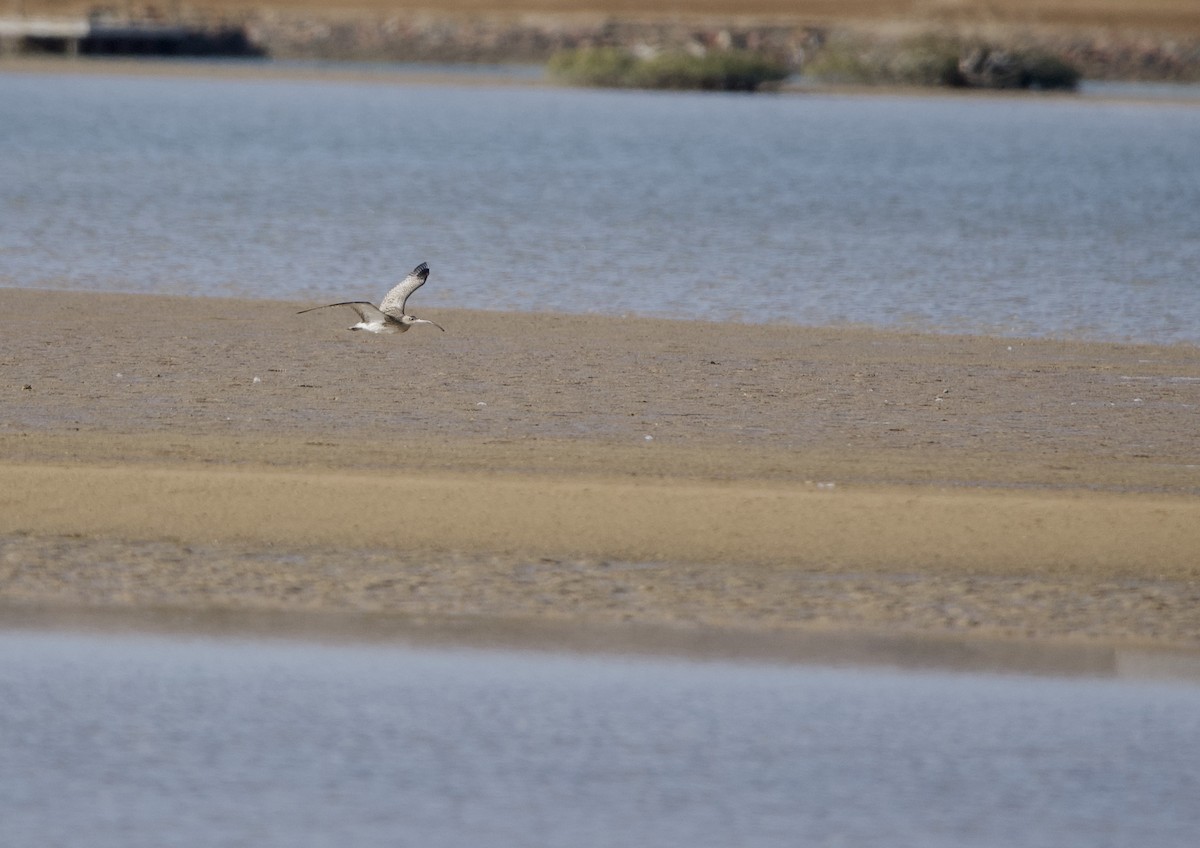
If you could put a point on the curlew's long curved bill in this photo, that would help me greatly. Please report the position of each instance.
(427, 321)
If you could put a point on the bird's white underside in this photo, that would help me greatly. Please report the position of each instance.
(379, 327)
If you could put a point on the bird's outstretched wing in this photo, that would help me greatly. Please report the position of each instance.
(393, 301)
(366, 311)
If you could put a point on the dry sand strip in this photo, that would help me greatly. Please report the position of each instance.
(899, 529)
(644, 560)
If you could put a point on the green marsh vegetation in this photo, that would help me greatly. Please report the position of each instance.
(924, 60)
(940, 60)
(612, 67)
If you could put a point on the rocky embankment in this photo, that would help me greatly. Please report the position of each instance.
(1098, 54)
(531, 39)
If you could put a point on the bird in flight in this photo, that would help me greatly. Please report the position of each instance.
(389, 316)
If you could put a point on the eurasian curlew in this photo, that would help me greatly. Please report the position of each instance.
(389, 316)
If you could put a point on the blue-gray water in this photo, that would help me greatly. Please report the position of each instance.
(1032, 216)
(148, 741)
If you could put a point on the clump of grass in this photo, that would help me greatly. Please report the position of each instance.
(726, 70)
(842, 62)
(928, 61)
(605, 67)
(938, 60)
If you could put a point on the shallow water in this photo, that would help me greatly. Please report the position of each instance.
(1031, 216)
(130, 741)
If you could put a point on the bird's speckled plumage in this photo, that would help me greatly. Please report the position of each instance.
(389, 316)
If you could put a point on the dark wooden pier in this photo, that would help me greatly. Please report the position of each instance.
(109, 37)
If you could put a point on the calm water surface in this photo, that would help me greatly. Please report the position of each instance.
(1055, 216)
(149, 741)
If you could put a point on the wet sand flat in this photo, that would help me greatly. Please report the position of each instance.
(222, 454)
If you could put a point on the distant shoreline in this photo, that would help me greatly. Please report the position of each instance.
(433, 74)
(1136, 50)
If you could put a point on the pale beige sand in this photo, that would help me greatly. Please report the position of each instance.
(794, 478)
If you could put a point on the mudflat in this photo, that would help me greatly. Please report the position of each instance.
(216, 454)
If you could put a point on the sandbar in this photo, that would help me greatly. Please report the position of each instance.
(162, 452)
